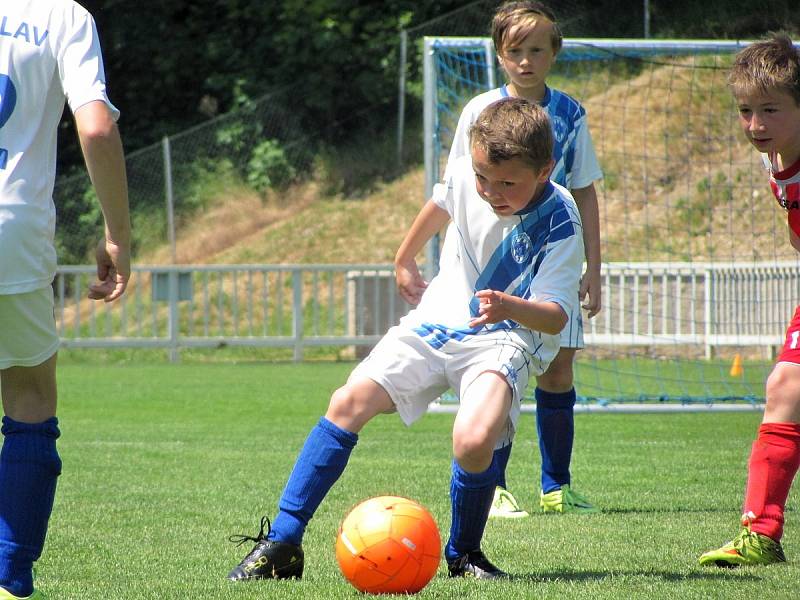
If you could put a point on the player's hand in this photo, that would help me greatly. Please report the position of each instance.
(590, 292)
(113, 270)
(492, 308)
(410, 283)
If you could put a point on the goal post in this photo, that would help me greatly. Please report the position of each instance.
(697, 270)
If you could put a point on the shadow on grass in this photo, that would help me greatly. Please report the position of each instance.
(666, 576)
(632, 511)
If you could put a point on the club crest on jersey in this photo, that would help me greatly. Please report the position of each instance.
(521, 247)
(559, 128)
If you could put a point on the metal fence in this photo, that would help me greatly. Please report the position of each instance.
(300, 306)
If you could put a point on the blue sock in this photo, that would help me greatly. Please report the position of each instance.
(318, 466)
(471, 498)
(501, 456)
(29, 466)
(555, 423)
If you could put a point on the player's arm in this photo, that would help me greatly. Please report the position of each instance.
(794, 239)
(430, 219)
(547, 317)
(586, 199)
(105, 160)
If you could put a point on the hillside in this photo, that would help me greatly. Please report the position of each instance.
(680, 184)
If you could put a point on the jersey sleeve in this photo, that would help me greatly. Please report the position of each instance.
(558, 277)
(460, 145)
(458, 179)
(80, 65)
(585, 168)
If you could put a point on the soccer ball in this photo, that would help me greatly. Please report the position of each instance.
(388, 545)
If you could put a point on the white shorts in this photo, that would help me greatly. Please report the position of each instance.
(572, 334)
(28, 334)
(414, 374)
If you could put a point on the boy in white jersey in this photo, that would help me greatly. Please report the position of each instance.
(527, 39)
(49, 54)
(765, 80)
(488, 321)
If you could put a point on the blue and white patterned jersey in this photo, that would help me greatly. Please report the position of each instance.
(536, 254)
(576, 163)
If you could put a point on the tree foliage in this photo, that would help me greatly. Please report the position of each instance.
(171, 64)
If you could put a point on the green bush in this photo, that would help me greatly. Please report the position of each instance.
(269, 168)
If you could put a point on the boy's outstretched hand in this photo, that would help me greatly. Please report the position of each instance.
(410, 283)
(492, 309)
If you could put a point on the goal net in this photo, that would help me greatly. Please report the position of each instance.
(699, 279)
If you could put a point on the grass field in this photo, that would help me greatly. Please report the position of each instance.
(163, 462)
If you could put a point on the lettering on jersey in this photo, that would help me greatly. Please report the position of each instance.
(559, 128)
(521, 247)
(22, 31)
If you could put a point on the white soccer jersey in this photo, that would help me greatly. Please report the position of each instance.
(536, 254)
(576, 162)
(49, 53)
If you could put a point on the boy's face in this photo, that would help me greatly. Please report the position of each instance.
(508, 186)
(771, 122)
(529, 62)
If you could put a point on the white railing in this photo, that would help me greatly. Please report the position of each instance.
(298, 306)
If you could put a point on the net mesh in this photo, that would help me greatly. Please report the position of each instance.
(698, 277)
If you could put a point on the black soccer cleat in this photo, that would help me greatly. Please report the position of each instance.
(475, 564)
(267, 559)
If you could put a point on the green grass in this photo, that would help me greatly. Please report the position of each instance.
(163, 462)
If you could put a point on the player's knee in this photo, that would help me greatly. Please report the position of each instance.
(344, 405)
(558, 378)
(783, 392)
(473, 448)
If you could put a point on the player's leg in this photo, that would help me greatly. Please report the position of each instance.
(321, 462)
(774, 461)
(399, 374)
(29, 461)
(555, 425)
(482, 417)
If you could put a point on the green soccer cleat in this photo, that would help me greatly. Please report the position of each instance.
(504, 506)
(747, 548)
(6, 595)
(566, 500)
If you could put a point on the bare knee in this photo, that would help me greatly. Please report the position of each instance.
(783, 394)
(473, 448)
(354, 404)
(556, 379)
(29, 393)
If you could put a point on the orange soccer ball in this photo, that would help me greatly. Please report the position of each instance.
(388, 545)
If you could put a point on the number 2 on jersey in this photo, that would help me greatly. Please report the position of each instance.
(8, 100)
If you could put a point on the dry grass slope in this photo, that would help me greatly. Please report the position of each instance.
(680, 184)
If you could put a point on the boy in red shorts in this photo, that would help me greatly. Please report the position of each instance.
(765, 80)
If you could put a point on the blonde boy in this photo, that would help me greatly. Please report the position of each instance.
(765, 80)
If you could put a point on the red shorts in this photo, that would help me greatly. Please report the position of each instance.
(791, 347)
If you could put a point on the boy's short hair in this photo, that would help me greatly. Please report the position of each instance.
(772, 64)
(513, 22)
(514, 128)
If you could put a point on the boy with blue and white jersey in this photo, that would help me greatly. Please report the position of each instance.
(528, 40)
(49, 55)
(486, 323)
